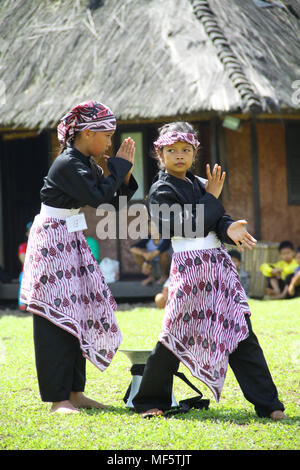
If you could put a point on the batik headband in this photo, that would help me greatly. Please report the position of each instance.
(170, 138)
(89, 115)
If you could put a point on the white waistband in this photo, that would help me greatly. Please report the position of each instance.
(57, 213)
(189, 244)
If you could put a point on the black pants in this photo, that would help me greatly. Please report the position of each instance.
(59, 361)
(247, 362)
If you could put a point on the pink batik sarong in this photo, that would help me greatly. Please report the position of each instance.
(63, 283)
(205, 314)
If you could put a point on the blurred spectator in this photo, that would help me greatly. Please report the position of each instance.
(244, 277)
(292, 282)
(276, 273)
(94, 246)
(294, 279)
(153, 257)
(21, 255)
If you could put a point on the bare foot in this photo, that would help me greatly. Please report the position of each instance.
(151, 413)
(162, 280)
(277, 415)
(270, 291)
(278, 296)
(79, 400)
(64, 407)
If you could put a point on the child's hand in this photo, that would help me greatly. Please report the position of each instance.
(215, 180)
(151, 255)
(238, 233)
(276, 272)
(127, 150)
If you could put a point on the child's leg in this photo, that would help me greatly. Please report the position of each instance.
(157, 383)
(252, 373)
(274, 286)
(161, 298)
(77, 398)
(58, 362)
(295, 282)
(139, 259)
(148, 271)
(282, 294)
(297, 279)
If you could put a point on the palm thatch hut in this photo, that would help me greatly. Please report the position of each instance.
(231, 67)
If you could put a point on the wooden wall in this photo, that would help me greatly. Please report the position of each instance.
(279, 220)
(238, 196)
(114, 249)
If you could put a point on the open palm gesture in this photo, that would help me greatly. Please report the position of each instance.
(238, 233)
(215, 180)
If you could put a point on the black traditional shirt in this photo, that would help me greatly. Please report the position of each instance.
(74, 181)
(169, 189)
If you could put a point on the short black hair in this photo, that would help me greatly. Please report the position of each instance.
(235, 254)
(285, 244)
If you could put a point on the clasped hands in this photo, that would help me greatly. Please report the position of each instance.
(127, 152)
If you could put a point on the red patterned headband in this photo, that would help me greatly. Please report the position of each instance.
(170, 138)
(89, 115)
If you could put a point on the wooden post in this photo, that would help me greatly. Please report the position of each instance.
(213, 136)
(255, 180)
(1, 211)
(223, 161)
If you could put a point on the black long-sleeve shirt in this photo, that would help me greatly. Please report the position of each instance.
(169, 189)
(74, 181)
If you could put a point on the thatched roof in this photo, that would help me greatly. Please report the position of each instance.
(145, 58)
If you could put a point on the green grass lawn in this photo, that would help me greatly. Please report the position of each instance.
(231, 424)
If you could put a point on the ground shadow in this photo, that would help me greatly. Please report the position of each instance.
(8, 308)
(238, 417)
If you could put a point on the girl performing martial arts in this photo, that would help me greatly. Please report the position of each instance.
(206, 323)
(62, 283)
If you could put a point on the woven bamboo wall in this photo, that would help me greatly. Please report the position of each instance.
(264, 252)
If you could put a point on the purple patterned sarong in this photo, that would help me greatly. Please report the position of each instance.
(205, 314)
(63, 283)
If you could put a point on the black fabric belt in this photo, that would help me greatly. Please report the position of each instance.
(184, 405)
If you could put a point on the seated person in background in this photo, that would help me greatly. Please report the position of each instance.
(244, 277)
(276, 273)
(94, 246)
(153, 257)
(294, 284)
(162, 297)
